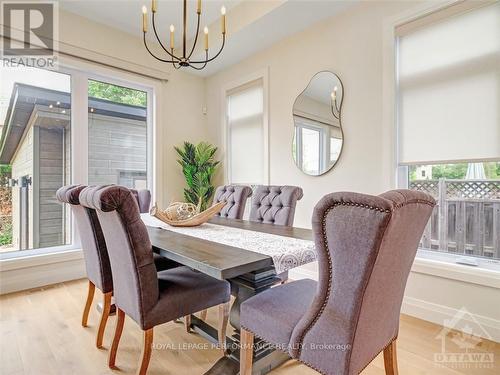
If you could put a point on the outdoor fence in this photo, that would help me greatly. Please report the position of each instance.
(466, 219)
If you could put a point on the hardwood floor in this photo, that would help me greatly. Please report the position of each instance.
(41, 334)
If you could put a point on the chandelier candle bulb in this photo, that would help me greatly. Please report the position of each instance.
(172, 41)
(184, 56)
(223, 20)
(206, 38)
(144, 19)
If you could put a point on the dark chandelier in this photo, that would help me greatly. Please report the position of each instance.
(185, 59)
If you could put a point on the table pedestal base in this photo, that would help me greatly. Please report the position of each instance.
(266, 358)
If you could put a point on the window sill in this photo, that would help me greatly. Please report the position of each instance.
(37, 259)
(443, 265)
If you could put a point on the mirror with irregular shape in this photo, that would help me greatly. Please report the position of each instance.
(318, 137)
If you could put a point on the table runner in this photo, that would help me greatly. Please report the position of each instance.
(287, 252)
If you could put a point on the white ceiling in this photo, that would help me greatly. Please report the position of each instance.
(289, 17)
(126, 15)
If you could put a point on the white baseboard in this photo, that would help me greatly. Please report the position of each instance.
(435, 313)
(441, 314)
(36, 271)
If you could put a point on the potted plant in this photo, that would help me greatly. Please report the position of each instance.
(198, 166)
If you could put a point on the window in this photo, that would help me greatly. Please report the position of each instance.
(465, 221)
(316, 145)
(58, 128)
(246, 134)
(310, 144)
(448, 127)
(35, 153)
(117, 135)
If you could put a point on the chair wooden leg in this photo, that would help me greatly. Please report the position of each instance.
(187, 323)
(390, 359)
(246, 352)
(104, 318)
(223, 319)
(203, 314)
(146, 352)
(88, 303)
(120, 320)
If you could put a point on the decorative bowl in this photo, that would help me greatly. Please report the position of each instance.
(195, 220)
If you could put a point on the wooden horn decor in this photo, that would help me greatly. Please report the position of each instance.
(193, 221)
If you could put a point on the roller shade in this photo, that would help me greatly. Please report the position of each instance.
(449, 88)
(245, 111)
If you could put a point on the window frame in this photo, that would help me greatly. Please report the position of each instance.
(487, 271)
(262, 74)
(80, 73)
(324, 142)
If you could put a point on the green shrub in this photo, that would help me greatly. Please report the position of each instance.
(5, 232)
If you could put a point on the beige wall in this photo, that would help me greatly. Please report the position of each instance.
(349, 44)
(179, 100)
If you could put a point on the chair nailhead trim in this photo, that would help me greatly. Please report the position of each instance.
(330, 268)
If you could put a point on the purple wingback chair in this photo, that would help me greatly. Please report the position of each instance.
(365, 246)
(236, 197)
(275, 204)
(95, 252)
(147, 297)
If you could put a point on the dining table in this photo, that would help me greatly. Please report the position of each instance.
(249, 255)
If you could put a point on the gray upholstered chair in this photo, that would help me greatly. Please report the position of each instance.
(96, 255)
(143, 197)
(236, 197)
(366, 246)
(147, 297)
(275, 204)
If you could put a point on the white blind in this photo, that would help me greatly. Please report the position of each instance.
(449, 89)
(245, 115)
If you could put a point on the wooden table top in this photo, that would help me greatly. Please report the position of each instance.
(215, 259)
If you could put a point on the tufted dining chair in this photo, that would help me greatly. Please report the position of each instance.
(148, 297)
(338, 325)
(275, 204)
(143, 198)
(236, 197)
(95, 253)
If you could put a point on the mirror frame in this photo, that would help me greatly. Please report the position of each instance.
(340, 123)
